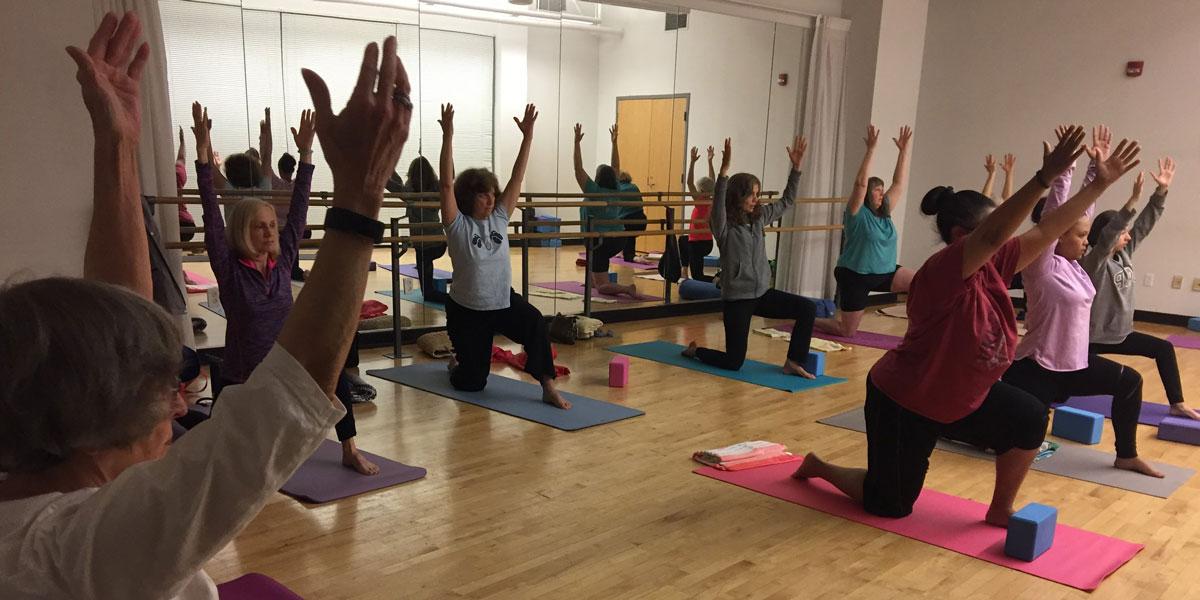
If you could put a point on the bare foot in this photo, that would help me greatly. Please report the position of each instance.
(453, 364)
(1179, 410)
(1137, 465)
(791, 368)
(355, 460)
(998, 516)
(553, 398)
(811, 467)
(690, 351)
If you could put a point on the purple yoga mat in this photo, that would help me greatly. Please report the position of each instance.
(1152, 414)
(1185, 341)
(255, 586)
(616, 260)
(862, 338)
(577, 288)
(322, 478)
(411, 271)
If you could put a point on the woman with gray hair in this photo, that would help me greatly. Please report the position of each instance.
(699, 243)
(94, 505)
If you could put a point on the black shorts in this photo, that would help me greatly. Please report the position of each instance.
(854, 287)
(900, 441)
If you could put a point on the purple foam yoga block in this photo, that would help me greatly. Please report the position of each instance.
(1179, 429)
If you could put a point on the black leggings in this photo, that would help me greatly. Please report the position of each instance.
(630, 247)
(773, 305)
(425, 258)
(900, 441)
(1163, 353)
(603, 250)
(1101, 377)
(693, 254)
(471, 334)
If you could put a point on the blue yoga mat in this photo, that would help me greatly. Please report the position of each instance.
(758, 373)
(411, 271)
(510, 397)
(414, 297)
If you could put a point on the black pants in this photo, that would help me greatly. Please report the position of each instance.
(693, 253)
(900, 441)
(1101, 377)
(630, 248)
(773, 305)
(425, 258)
(471, 333)
(603, 249)
(1163, 353)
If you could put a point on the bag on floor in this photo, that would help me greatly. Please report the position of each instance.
(562, 329)
(585, 327)
(436, 344)
(669, 266)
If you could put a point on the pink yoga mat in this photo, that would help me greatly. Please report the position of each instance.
(577, 288)
(255, 586)
(1185, 341)
(201, 284)
(616, 260)
(1078, 558)
(862, 338)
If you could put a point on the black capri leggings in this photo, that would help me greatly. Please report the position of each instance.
(603, 249)
(693, 252)
(1101, 377)
(1163, 353)
(629, 250)
(900, 441)
(773, 305)
(471, 333)
(425, 257)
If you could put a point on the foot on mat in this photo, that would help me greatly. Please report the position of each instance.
(791, 368)
(355, 460)
(1137, 465)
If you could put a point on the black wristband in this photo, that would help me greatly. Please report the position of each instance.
(340, 219)
(1038, 176)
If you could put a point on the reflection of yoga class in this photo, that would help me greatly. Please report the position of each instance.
(424, 352)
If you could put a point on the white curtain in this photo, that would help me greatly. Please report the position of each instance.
(806, 260)
(156, 150)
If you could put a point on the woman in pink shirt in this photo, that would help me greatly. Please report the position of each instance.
(699, 241)
(1052, 361)
(961, 336)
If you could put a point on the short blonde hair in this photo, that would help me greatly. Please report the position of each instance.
(241, 219)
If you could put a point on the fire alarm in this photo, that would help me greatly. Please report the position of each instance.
(1133, 68)
(783, 78)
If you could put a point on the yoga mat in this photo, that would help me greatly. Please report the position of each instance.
(752, 371)
(217, 309)
(415, 297)
(510, 397)
(200, 284)
(411, 271)
(862, 338)
(1152, 413)
(575, 287)
(1185, 341)
(255, 586)
(1076, 462)
(1078, 558)
(617, 260)
(322, 478)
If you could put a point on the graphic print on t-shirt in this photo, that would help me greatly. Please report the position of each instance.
(1123, 279)
(495, 237)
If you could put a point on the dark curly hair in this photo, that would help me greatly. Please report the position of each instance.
(471, 182)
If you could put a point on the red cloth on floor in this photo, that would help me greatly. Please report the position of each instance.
(517, 361)
(372, 309)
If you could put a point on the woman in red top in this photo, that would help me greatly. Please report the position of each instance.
(699, 243)
(961, 337)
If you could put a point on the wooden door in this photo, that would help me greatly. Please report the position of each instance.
(653, 137)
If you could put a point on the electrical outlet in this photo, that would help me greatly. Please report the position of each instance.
(1177, 282)
(1148, 280)
(1196, 284)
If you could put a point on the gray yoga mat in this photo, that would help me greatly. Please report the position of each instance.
(510, 397)
(215, 308)
(1076, 462)
(323, 478)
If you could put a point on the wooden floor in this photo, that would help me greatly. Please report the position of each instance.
(513, 509)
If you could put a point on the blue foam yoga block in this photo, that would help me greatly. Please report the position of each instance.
(693, 289)
(712, 261)
(1194, 323)
(1031, 531)
(612, 277)
(1179, 429)
(1078, 425)
(814, 363)
(440, 284)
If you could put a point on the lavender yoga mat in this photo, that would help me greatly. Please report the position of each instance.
(862, 338)
(255, 586)
(1185, 341)
(411, 271)
(577, 288)
(616, 260)
(1152, 413)
(322, 478)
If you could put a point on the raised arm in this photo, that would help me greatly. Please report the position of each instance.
(615, 159)
(996, 229)
(1098, 253)
(266, 147)
(297, 217)
(989, 165)
(1009, 163)
(711, 173)
(1154, 208)
(181, 156)
(512, 191)
(858, 195)
(1045, 234)
(109, 75)
(900, 176)
(446, 167)
(219, 255)
(581, 176)
(796, 157)
(691, 176)
(716, 216)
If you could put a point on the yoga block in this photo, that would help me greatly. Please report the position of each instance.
(1031, 531)
(693, 289)
(612, 277)
(1179, 429)
(1077, 425)
(1194, 323)
(440, 285)
(814, 363)
(618, 371)
(712, 261)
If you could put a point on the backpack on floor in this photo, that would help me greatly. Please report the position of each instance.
(562, 329)
(669, 265)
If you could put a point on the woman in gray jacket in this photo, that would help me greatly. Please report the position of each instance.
(1115, 234)
(737, 221)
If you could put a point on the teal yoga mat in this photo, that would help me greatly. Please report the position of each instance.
(510, 397)
(758, 373)
(415, 297)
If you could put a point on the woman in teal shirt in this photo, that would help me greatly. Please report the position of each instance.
(868, 260)
(603, 249)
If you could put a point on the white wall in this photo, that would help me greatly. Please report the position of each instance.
(997, 77)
